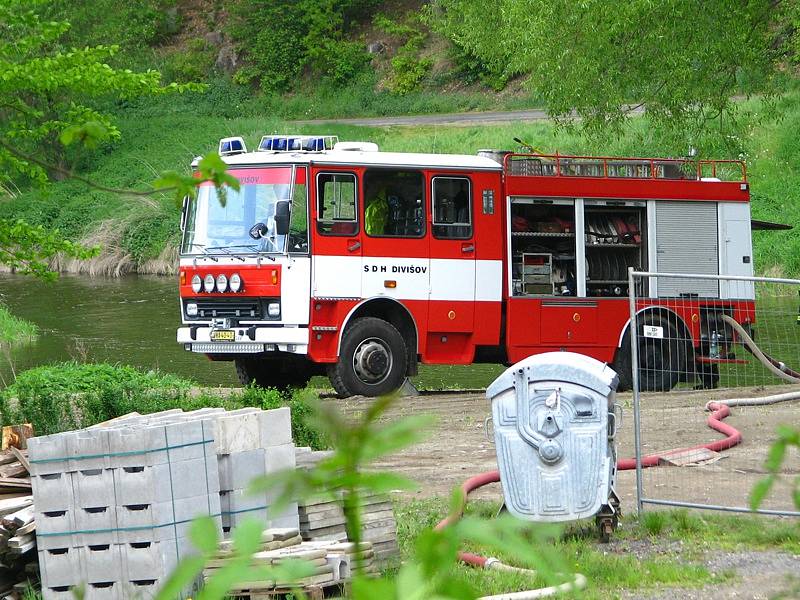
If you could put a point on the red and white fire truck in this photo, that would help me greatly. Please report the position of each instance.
(337, 258)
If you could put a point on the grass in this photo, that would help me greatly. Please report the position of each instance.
(169, 135)
(14, 330)
(643, 556)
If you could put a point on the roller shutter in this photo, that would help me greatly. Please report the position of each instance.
(687, 242)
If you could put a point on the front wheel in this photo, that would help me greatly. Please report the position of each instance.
(373, 359)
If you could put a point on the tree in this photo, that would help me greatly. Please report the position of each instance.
(684, 61)
(47, 118)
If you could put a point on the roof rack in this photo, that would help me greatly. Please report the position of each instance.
(606, 167)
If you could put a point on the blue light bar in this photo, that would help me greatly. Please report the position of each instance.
(231, 145)
(297, 143)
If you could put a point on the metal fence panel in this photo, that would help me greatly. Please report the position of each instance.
(692, 356)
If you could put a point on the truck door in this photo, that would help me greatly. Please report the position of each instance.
(452, 250)
(337, 238)
(394, 241)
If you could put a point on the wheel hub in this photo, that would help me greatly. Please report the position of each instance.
(372, 361)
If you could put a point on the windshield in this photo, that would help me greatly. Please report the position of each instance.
(223, 227)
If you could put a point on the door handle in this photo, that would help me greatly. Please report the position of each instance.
(467, 248)
(354, 245)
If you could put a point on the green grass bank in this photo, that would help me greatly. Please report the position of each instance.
(142, 236)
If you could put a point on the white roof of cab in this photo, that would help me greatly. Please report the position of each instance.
(372, 159)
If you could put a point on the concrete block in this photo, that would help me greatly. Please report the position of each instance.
(48, 454)
(237, 431)
(52, 492)
(279, 458)
(88, 449)
(101, 563)
(134, 485)
(187, 440)
(141, 561)
(245, 467)
(136, 523)
(99, 523)
(93, 487)
(173, 519)
(107, 590)
(244, 506)
(57, 593)
(185, 479)
(60, 567)
(141, 589)
(275, 427)
(53, 529)
(224, 471)
(137, 446)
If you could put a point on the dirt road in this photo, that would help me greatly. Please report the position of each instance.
(458, 447)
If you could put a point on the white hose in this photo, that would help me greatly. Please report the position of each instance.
(493, 563)
(748, 341)
(760, 401)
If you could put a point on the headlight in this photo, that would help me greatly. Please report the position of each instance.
(191, 309)
(197, 284)
(222, 283)
(274, 309)
(236, 282)
(208, 283)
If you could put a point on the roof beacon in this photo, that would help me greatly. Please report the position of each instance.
(231, 145)
(297, 143)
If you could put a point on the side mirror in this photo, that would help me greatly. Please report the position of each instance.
(258, 231)
(282, 217)
(184, 212)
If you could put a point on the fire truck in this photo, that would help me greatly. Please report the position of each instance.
(337, 258)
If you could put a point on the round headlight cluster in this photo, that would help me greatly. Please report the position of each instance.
(222, 283)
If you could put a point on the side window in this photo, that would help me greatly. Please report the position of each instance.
(336, 204)
(452, 208)
(394, 203)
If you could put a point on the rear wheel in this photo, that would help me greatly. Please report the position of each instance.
(707, 375)
(373, 359)
(661, 359)
(279, 373)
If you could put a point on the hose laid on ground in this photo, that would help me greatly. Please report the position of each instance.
(777, 367)
(483, 562)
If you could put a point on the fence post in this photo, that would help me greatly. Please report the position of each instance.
(635, 385)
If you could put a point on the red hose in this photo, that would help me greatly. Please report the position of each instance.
(714, 421)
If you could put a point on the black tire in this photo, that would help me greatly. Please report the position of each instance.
(372, 362)
(280, 373)
(707, 375)
(661, 360)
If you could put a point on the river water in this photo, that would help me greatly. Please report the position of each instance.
(132, 320)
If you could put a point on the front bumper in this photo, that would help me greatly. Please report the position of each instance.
(247, 341)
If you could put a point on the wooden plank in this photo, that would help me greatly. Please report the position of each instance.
(16, 435)
(13, 470)
(684, 458)
(22, 457)
(15, 520)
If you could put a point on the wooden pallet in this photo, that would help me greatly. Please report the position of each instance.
(334, 589)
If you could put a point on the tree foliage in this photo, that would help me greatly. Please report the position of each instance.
(48, 117)
(281, 39)
(683, 60)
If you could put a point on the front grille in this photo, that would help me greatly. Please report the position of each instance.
(219, 308)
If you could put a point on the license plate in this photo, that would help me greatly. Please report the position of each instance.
(223, 335)
(652, 331)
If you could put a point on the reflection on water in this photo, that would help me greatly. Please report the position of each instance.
(132, 320)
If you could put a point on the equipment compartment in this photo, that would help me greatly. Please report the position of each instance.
(543, 247)
(615, 239)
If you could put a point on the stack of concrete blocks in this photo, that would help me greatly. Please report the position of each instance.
(113, 504)
(324, 520)
(252, 443)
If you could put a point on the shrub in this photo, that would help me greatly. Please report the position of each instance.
(67, 396)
